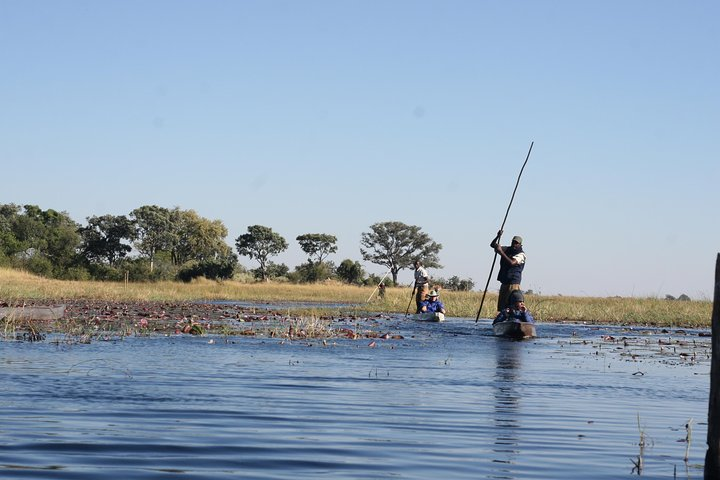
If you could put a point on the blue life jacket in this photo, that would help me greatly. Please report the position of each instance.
(509, 273)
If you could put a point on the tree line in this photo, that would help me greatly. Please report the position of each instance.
(156, 243)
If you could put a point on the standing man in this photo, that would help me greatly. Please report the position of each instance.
(512, 263)
(421, 285)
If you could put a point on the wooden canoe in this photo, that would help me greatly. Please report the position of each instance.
(32, 312)
(517, 330)
(429, 317)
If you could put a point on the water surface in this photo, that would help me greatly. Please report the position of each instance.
(446, 401)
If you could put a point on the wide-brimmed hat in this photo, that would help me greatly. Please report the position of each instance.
(433, 293)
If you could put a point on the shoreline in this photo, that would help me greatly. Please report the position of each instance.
(332, 298)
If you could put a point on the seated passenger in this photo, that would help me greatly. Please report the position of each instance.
(516, 312)
(432, 304)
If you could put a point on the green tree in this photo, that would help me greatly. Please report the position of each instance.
(197, 238)
(9, 244)
(154, 231)
(49, 237)
(104, 239)
(397, 246)
(350, 272)
(259, 244)
(317, 245)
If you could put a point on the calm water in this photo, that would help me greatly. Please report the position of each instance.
(447, 401)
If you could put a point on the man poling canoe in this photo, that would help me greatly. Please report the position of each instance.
(497, 239)
(512, 263)
(422, 282)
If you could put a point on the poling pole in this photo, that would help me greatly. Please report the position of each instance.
(497, 239)
(376, 286)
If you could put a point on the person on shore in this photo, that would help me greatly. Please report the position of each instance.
(422, 280)
(512, 263)
(381, 290)
(515, 311)
(433, 303)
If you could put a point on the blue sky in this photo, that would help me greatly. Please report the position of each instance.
(329, 116)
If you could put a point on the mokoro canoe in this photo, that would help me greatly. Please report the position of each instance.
(511, 329)
(429, 317)
(32, 312)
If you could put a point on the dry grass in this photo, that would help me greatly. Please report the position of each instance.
(17, 287)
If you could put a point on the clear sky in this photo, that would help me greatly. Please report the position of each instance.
(329, 116)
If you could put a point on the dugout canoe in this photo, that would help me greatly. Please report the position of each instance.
(429, 317)
(32, 312)
(516, 330)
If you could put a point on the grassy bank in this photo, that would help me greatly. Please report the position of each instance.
(18, 287)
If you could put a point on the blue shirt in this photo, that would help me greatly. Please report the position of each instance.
(436, 306)
(514, 315)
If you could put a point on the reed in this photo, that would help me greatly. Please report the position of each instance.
(688, 439)
(17, 287)
(639, 461)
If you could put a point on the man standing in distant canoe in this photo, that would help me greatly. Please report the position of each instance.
(512, 263)
(422, 280)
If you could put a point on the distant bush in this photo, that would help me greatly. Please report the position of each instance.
(214, 269)
(75, 273)
(374, 280)
(350, 272)
(455, 284)
(39, 265)
(273, 271)
(682, 298)
(313, 272)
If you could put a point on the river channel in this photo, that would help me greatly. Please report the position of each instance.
(429, 401)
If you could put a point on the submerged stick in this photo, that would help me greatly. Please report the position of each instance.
(688, 439)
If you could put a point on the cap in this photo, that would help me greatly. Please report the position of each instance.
(516, 296)
(518, 239)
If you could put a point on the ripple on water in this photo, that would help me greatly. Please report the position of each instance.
(446, 401)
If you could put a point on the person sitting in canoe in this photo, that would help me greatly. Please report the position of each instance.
(433, 303)
(516, 312)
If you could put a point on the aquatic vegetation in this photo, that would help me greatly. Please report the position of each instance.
(342, 299)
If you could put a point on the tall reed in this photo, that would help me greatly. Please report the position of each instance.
(17, 287)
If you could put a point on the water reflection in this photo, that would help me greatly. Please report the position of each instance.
(506, 405)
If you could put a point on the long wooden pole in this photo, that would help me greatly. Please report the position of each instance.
(712, 456)
(497, 239)
(411, 298)
(376, 286)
